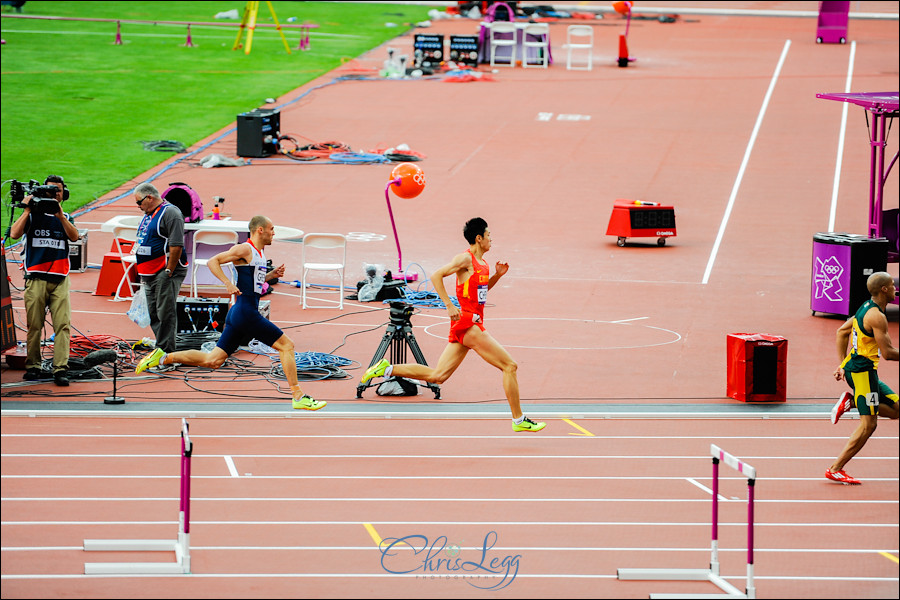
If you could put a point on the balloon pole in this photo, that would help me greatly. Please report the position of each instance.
(400, 273)
(408, 181)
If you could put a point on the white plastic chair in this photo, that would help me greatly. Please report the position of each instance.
(209, 238)
(580, 37)
(324, 246)
(129, 259)
(503, 35)
(537, 36)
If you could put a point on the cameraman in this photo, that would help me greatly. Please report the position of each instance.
(48, 231)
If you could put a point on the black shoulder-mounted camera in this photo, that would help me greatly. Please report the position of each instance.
(43, 197)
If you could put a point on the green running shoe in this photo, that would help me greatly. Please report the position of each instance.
(528, 425)
(376, 370)
(307, 403)
(151, 360)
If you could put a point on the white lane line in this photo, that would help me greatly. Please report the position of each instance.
(741, 524)
(840, 149)
(371, 548)
(269, 575)
(740, 176)
(505, 477)
(448, 499)
(231, 467)
(267, 436)
(319, 457)
(706, 489)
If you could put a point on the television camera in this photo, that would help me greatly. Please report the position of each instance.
(43, 197)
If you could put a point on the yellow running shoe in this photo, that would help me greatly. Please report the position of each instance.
(528, 425)
(307, 403)
(151, 360)
(376, 370)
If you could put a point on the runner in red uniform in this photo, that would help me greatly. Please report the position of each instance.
(473, 280)
(471, 294)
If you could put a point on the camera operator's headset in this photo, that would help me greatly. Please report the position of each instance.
(65, 188)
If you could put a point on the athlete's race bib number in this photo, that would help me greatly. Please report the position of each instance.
(482, 294)
(872, 402)
(260, 279)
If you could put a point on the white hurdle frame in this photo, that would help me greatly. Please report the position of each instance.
(712, 574)
(181, 546)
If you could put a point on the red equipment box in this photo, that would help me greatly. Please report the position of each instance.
(757, 367)
(112, 270)
(637, 218)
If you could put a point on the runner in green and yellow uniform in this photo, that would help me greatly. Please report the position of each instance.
(867, 335)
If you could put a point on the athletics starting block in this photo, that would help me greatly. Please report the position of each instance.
(712, 573)
(181, 546)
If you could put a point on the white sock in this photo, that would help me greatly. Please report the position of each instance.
(519, 420)
(162, 359)
(388, 370)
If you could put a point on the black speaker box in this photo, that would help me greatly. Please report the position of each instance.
(258, 132)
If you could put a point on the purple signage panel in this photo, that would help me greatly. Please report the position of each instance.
(831, 278)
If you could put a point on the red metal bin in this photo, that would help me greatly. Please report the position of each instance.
(757, 367)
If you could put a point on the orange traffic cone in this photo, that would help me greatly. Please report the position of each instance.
(623, 51)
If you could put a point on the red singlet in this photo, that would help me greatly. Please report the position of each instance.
(472, 294)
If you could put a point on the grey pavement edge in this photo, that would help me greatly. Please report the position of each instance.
(427, 410)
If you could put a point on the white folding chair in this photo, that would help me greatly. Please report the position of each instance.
(209, 238)
(321, 247)
(503, 35)
(129, 260)
(580, 37)
(537, 36)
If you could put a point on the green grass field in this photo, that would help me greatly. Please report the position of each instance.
(76, 104)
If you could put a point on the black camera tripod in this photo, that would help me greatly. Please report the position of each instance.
(397, 337)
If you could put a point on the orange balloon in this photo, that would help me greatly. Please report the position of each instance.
(623, 8)
(407, 180)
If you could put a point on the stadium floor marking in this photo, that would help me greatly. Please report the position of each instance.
(426, 437)
(583, 431)
(618, 457)
(704, 501)
(504, 548)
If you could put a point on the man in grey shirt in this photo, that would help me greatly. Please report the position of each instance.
(160, 261)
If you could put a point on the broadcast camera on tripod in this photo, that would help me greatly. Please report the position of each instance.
(397, 338)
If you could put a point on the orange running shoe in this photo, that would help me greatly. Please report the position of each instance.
(841, 477)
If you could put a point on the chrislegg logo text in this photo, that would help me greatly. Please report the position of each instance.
(439, 560)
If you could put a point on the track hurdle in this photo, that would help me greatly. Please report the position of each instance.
(181, 546)
(712, 574)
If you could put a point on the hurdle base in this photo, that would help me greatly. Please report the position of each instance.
(131, 545)
(683, 575)
(134, 569)
(180, 547)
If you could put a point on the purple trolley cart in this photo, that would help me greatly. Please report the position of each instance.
(833, 19)
(882, 222)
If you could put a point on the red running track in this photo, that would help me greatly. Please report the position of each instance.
(298, 510)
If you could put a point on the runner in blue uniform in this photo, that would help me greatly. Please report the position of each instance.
(244, 322)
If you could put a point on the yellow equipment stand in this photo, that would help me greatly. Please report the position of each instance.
(251, 10)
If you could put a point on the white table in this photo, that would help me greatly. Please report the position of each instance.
(282, 233)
